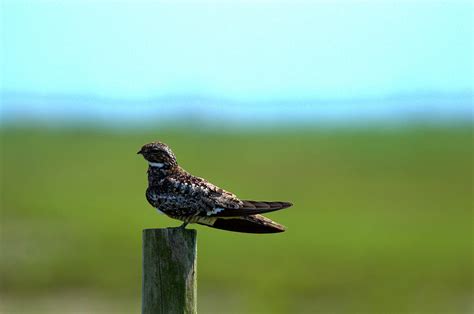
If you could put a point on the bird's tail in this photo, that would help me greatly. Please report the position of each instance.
(247, 224)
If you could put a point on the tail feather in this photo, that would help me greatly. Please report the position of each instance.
(247, 224)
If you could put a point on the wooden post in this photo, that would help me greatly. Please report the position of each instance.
(169, 271)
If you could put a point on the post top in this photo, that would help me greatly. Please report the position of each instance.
(170, 230)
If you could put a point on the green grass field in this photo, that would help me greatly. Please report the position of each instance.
(381, 223)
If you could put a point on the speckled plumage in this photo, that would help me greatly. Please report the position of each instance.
(182, 196)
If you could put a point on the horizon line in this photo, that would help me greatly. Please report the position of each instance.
(415, 94)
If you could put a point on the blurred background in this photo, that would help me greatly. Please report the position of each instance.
(360, 113)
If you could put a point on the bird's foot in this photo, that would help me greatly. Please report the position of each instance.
(183, 226)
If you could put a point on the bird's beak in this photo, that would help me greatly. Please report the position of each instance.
(139, 152)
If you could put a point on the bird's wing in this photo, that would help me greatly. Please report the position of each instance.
(195, 195)
(249, 208)
(205, 199)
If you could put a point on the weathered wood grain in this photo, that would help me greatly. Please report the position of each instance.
(169, 271)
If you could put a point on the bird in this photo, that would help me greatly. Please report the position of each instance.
(179, 195)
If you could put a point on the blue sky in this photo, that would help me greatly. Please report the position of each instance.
(237, 49)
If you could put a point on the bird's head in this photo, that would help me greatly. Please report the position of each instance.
(158, 155)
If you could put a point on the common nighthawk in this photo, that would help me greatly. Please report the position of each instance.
(180, 195)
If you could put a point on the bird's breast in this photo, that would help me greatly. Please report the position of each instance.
(153, 196)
